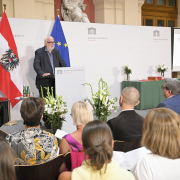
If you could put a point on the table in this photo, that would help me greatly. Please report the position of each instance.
(151, 93)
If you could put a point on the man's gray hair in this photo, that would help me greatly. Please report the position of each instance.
(173, 85)
(45, 40)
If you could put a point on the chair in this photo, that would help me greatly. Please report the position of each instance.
(3, 133)
(45, 171)
(125, 146)
(67, 158)
(74, 160)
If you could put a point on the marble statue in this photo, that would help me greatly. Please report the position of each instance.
(72, 10)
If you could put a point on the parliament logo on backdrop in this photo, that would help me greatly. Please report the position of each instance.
(156, 33)
(92, 31)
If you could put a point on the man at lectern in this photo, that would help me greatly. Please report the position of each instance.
(45, 61)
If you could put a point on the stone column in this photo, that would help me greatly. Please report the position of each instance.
(108, 11)
(126, 12)
(29, 9)
(140, 3)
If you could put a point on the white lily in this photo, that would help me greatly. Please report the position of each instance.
(101, 97)
(107, 99)
(49, 110)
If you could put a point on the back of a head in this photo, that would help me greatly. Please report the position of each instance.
(161, 133)
(131, 95)
(97, 142)
(7, 155)
(173, 85)
(81, 113)
(31, 111)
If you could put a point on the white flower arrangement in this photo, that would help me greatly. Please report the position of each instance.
(161, 69)
(55, 109)
(100, 102)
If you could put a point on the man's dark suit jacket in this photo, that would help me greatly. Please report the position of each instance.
(172, 103)
(127, 126)
(42, 65)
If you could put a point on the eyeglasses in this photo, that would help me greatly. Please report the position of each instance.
(51, 42)
(162, 87)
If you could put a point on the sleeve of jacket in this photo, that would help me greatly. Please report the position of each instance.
(37, 64)
(61, 60)
(161, 105)
(109, 124)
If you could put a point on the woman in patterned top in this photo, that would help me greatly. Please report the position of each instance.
(33, 145)
(81, 114)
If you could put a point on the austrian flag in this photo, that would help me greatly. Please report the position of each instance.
(11, 83)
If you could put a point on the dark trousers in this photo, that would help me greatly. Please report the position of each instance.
(46, 83)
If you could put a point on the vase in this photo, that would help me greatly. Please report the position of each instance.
(128, 77)
(162, 74)
(102, 118)
(56, 126)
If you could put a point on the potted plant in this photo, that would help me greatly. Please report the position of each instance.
(127, 71)
(55, 109)
(101, 104)
(161, 69)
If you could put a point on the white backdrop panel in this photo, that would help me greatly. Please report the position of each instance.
(73, 90)
(102, 54)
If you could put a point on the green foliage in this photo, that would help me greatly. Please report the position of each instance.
(55, 109)
(162, 68)
(127, 70)
(100, 102)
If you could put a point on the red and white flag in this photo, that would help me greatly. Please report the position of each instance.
(11, 84)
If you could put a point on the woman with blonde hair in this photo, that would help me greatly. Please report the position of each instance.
(7, 156)
(161, 135)
(82, 114)
(98, 146)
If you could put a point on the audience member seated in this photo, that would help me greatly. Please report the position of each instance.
(171, 91)
(81, 113)
(127, 126)
(7, 155)
(161, 135)
(98, 145)
(33, 145)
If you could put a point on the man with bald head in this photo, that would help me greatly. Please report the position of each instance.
(45, 61)
(127, 126)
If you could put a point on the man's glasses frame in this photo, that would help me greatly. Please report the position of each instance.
(51, 42)
(162, 87)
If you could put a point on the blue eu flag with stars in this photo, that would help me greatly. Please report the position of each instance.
(61, 44)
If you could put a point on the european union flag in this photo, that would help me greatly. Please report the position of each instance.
(61, 44)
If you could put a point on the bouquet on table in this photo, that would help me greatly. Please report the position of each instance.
(127, 71)
(55, 109)
(101, 104)
(161, 69)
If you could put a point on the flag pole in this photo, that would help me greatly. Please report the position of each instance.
(4, 6)
(10, 123)
(57, 12)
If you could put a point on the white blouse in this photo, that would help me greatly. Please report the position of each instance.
(155, 167)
